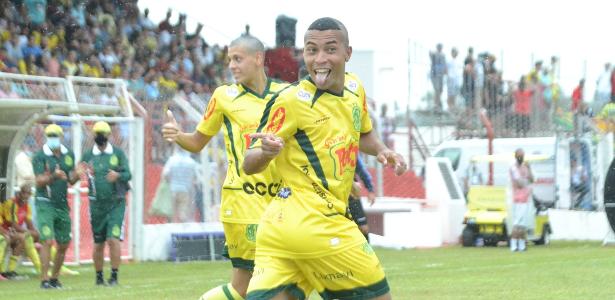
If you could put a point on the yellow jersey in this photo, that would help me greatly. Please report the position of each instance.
(321, 132)
(239, 109)
(15, 213)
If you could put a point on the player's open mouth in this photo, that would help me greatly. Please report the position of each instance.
(321, 76)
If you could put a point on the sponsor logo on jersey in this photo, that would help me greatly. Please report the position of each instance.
(344, 157)
(232, 92)
(353, 85)
(261, 188)
(277, 120)
(284, 193)
(322, 119)
(304, 95)
(210, 108)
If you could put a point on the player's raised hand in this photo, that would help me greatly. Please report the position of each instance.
(271, 144)
(390, 158)
(170, 129)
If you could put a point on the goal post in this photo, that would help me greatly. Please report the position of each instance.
(74, 103)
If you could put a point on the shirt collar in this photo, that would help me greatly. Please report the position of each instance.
(108, 150)
(49, 152)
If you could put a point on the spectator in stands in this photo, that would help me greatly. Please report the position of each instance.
(454, 76)
(438, 69)
(36, 11)
(522, 178)
(467, 86)
(522, 105)
(577, 96)
(181, 172)
(108, 177)
(603, 86)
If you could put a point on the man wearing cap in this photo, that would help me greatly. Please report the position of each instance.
(108, 175)
(54, 168)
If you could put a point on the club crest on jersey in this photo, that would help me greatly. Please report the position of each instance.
(232, 92)
(353, 86)
(277, 120)
(113, 161)
(356, 117)
(68, 161)
(304, 95)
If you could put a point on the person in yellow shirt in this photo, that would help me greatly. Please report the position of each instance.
(238, 107)
(313, 132)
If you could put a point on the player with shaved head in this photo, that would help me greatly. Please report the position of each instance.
(238, 107)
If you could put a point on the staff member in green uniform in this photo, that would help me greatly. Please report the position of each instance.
(108, 176)
(54, 167)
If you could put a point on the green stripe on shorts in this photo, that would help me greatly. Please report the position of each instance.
(366, 292)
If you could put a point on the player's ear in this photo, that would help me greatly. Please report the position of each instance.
(348, 53)
(260, 58)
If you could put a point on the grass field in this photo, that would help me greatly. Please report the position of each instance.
(562, 270)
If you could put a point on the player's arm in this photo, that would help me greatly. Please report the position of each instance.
(372, 145)
(277, 125)
(257, 159)
(41, 172)
(124, 170)
(193, 142)
(76, 172)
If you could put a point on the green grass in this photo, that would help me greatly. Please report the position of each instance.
(562, 270)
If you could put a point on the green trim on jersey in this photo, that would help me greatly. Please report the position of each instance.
(316, 96)
(308, 149)
(229, 129)
(347, 89)
(265, 92)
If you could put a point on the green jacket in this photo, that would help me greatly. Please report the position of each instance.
(44, 160)
(111, 158)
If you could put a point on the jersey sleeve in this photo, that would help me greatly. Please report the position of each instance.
(38, 164)
(124, 170)
(278, 118)
(212, 118)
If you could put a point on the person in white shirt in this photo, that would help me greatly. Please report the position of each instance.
(454, 76)
(603, 86)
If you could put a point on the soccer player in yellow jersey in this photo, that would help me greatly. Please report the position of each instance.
(238, 108)
(313, 131)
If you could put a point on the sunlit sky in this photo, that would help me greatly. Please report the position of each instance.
(517, 32)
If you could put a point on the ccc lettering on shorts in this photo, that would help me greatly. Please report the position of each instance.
(261, 188)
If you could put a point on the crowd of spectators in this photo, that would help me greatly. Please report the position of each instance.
(113, 39)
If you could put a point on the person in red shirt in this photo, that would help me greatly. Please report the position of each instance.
(577, 95)
(522, 106)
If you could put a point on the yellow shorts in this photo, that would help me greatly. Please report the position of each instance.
(353, 274)
(240, 245)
